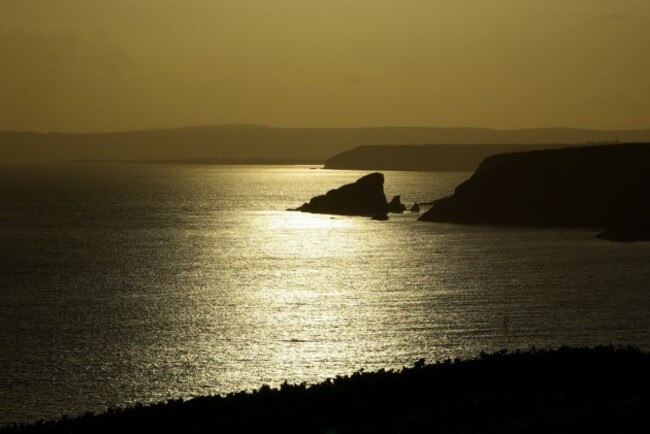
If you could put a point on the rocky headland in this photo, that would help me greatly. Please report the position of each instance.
(365, 197)
(595, 186)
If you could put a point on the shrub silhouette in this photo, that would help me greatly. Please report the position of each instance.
(603, 389)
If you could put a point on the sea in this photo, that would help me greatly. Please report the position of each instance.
(125, 284)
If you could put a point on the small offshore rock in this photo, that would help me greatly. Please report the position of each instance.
(396, 205)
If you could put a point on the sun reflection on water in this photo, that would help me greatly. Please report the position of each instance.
(313, 315)
(274, 220)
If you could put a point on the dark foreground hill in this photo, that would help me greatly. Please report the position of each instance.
(250, 141)
(563, 391)
(595, 186)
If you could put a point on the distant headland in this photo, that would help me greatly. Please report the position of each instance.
(263, 142)
(606, 186)
(440, 158)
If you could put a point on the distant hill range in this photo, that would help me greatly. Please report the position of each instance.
(260, 142)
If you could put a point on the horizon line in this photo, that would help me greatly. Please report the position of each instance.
(247, 126)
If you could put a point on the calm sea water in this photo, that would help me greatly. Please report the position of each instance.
(124, 284)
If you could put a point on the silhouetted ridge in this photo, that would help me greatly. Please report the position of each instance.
(563, 391)
(591, 186)
(440, 158)
(253, 141)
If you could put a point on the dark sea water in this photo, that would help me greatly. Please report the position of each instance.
(125, 284)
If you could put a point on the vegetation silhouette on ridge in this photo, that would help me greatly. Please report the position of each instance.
(602, 389)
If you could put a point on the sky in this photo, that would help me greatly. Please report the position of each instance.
(110, 65)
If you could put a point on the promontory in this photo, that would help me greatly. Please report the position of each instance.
(604, 186)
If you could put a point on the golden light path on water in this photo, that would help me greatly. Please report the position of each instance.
(312, 319)
(328, 296)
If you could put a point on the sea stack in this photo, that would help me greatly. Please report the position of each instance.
(396, 206)
(365, 197)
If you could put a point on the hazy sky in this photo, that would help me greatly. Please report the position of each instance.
(101, 65)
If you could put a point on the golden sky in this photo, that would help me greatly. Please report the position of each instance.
(105, 65)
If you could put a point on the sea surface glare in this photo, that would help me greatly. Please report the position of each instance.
(140, 283)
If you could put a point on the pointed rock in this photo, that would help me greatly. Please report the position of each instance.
(396, 205)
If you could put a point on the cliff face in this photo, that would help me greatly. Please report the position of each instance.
(633, 224)
(593, 186)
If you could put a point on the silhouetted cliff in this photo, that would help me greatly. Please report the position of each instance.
(589, 186)
(632, 224)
